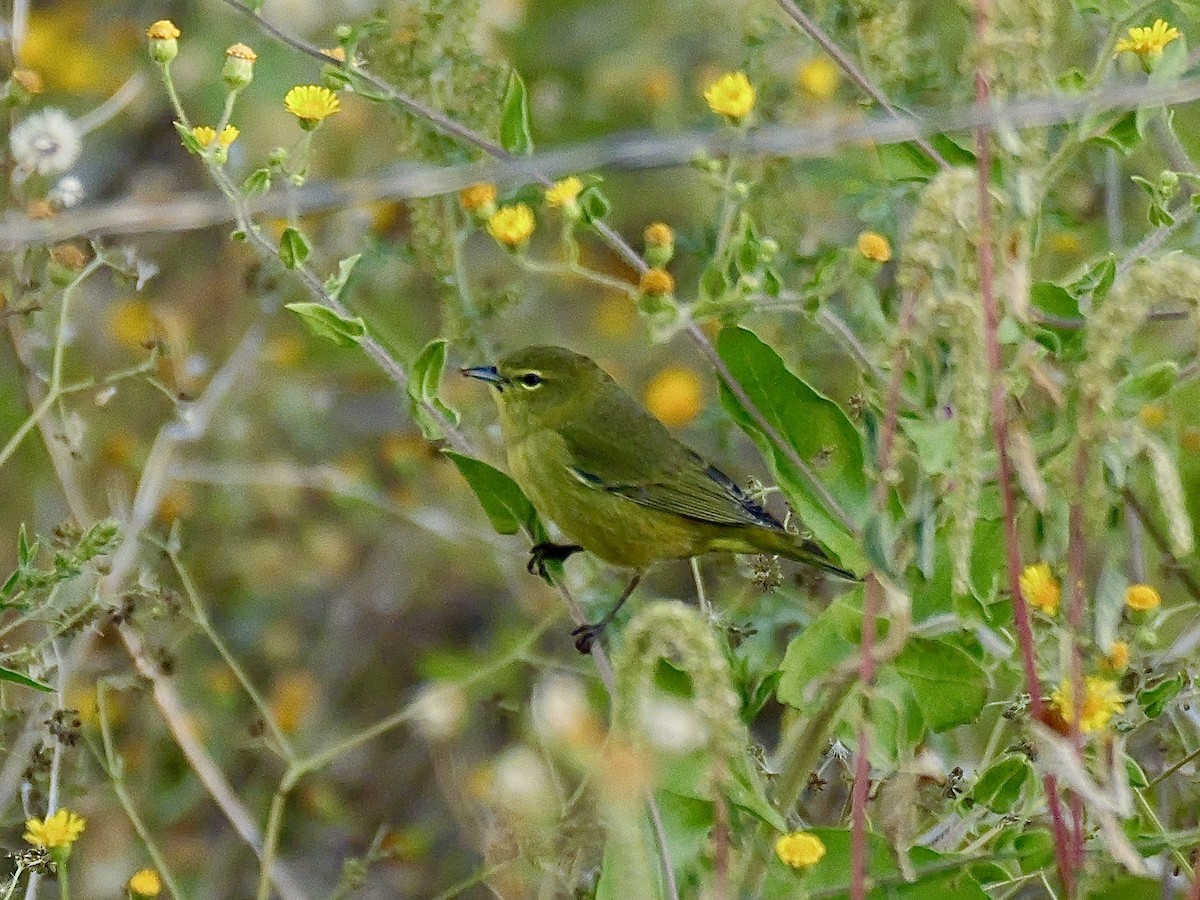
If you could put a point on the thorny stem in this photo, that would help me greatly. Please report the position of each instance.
(999, 410)
(856, 74)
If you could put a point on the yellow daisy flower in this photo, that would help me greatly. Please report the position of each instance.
(59, 830)
(1040, 588)
(656, 283)
(731, 96)
(1148, 41)
(874, 246)
(145, 884)
(800, 849)
(511, 225)
(311, 103)
(1101, 701)
(1142, 597)
(563, 193)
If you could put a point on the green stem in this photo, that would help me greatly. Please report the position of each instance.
(206, 626)
(579, 271)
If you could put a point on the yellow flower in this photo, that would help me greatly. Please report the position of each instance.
(818, 77)
(145, 883)
(1101, 701)
(164, 43)
(205, 135)
(337, 53)
(1117, 659)
(238, 51)
(1040, 588)
(511, 225)
(163, 30)
(1142, 597)
(675, 395)
(659, 234)
(563, 193)
(477, 196)
(800, 849)
(1147, 41)
(874, 246)
(731, 96)
(311, 103)
(59, 830)
(656, 283)
(1152, 415)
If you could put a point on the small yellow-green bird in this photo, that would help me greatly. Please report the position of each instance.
(614, 479)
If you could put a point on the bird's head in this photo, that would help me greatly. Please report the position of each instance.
(542, 387)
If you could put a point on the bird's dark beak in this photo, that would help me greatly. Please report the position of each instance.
(486, 373)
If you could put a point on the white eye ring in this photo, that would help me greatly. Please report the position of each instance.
(531, 381)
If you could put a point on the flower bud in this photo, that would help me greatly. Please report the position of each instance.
(239, 66)
(660, 244)
(164, 43)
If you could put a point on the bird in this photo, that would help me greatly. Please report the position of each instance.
(615, 480)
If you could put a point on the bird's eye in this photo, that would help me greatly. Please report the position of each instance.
(530, 380)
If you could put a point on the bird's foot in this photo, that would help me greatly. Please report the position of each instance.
(585, 636)
(547, 551)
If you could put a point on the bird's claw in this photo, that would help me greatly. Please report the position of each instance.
(585, 636)
(547, 551)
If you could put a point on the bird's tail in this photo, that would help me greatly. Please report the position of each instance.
(801, 550)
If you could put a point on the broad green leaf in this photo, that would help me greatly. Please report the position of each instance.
(934, 442)
(1116, 130)
(324, 322)
(817, 429)
(1124, 887)
(515, 135)
(293, 247)
(949, 685)
(897, 721)
(1000, 786)
(507, 507)
(18, 678)
(424, 383)
(335, 283)
(829, 640)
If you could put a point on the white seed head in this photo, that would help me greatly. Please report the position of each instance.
(67, 193)
(520, 781)
(46, 142)
(672, 725)
(560, 709)
(439, 711)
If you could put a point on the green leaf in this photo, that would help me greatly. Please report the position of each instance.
(828, 641)
(258, 182)
(1150, 383)
(1155, 698)
(816, 428)
(1000, 786)
(18, 678)
(188, 139)
(950, 686)
(324, 322)
(424, 385)
(507, 507)
(293, 247)
(1119, 131)
(335, 283)
(515, 135)
(593, 204)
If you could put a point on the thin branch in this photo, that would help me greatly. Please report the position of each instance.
(810, 26)
(999, 411)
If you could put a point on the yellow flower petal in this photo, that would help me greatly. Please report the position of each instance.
(311, 102)
(731, 96)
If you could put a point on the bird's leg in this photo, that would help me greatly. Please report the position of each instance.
(548, 551)
(585, 635)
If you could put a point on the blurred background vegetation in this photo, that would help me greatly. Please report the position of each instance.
(341, 558)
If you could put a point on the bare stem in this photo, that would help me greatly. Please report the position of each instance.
(999, 410)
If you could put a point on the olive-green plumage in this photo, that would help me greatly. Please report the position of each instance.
(613, 478)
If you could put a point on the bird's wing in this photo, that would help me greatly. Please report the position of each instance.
(658, 472)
